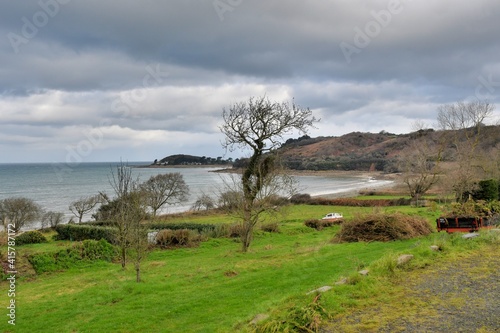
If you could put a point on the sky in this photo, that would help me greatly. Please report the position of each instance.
(87, 81)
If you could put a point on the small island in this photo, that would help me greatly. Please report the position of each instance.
(190, 160)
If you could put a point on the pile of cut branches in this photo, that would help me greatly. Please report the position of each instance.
(382, 227)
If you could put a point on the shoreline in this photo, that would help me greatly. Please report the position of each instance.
(389, 187)
(179, 166)
(392, 182)
(375, 182)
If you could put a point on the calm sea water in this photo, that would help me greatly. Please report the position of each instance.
(55, 186)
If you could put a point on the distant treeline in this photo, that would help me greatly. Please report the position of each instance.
(182, 159)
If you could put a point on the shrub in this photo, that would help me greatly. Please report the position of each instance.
(51, 219)
(204, 201)
(230, 200)
(67, 258)
(235, 230)
(270, 227)
(353, 202)
(320, 224)
(300, 198)
(219, 231)
(30, 237)
(80, 232)
(382, 227)
(307, 318)
(43, 262)
(179, 226)
(177, 238)
(313, 223)
(86, 251)
(278, 201)
(97, 250)
(488, 190)
(99, 223)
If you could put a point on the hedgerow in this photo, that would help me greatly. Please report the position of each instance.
(179, 226)
(352, 202)
(80, 232)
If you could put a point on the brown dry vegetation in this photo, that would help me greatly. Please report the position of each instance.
(382, 227)
(361, 151)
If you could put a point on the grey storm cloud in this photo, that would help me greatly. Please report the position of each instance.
(143, 73)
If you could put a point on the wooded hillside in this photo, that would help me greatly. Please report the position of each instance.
(370, 151)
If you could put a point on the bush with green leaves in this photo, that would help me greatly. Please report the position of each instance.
(296, 318)
(97, 250)
(44, 262)
(487, 190)
(86, 251)
(30, 237)
(473, 208)
(353, 202)
(179, 226)
(80, 232)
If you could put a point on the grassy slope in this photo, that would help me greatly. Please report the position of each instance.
(207, 289)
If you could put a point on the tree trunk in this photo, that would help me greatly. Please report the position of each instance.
(246, 238)
(137, 273)
(124, 257)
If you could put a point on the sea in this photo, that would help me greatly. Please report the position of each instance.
(55, 185)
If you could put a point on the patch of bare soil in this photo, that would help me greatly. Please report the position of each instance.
(462, 295)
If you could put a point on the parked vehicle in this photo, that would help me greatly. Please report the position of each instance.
(333, 216)
(463, 224)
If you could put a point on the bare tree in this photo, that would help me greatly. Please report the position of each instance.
(169, 188)
(52, 219)
(204, 201)
(83, 206)
(260, 125)
(19, 212)
(420, 167)
(129, 218)
(463, 122)
(138, 235)
(127, 210)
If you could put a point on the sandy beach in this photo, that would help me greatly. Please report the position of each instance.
(392, 182)
(392, 185)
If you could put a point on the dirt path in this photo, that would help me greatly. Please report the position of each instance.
(462, 295)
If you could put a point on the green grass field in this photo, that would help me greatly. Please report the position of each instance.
(210, 288)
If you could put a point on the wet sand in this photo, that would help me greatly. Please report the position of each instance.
(394, 186)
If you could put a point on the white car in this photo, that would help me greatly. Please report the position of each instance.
(333, 216)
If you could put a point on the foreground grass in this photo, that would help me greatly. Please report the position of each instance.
(212, 288)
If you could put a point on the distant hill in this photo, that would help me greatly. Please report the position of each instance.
(181, 159)
(365, 151)
(353, 151)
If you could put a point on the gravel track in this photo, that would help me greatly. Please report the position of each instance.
(462, 295)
